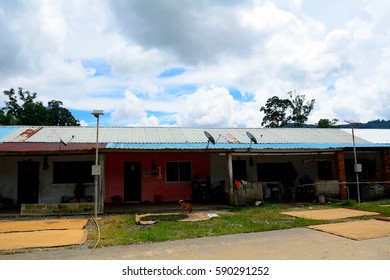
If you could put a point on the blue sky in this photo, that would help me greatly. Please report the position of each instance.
(198, 63)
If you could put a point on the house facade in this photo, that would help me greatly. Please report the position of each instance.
(233, 165)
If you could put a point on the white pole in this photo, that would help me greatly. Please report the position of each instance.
(97, 166)
(355, 166)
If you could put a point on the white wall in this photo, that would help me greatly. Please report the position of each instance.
(48, 192)
(52, 193)
(8, 177)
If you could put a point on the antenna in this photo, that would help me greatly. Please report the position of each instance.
(61, 140)
(252, 138)
(210, 138)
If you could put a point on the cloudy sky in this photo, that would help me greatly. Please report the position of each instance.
(201, 63)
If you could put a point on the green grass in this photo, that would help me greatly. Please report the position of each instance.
(368, 206)
(122, 230)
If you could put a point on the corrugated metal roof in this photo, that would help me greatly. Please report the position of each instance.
(381, 136)
(5, 130)
(47, 147)
(176, 135)
(194, 138)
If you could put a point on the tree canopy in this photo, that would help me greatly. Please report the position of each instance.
(275, 112)
(22, 109)
(326, 123)
(279, 112)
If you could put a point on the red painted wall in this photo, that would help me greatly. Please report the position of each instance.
(153, 185)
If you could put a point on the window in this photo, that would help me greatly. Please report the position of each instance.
(368, 169)
(325, 171)
(178, 171)
(72, 172)
(275, 172)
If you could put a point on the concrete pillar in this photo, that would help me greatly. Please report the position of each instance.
(102, 183)
(230, 176)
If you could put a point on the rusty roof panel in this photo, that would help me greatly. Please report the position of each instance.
(29, 132)
(24, 147)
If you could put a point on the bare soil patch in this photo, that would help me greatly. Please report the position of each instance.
(190, 217)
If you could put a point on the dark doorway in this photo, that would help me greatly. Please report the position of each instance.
(239, 170)
(132, 181)
(28, 181)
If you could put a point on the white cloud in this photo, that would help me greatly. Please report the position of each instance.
(212, 107)
(133, 61)
(131, 112)
(259, 48)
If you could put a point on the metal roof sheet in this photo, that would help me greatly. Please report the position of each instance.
(380, 136)
(5, 130)
(47, 147)
(179, 136)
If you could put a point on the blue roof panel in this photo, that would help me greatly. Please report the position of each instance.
(230, 146)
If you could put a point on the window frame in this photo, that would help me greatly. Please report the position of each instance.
(179, 178)
(81, 172)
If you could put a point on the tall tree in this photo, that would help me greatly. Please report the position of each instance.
(60, 116)
(300, 108)
(22, 109)
(279, 112)
(5, 119)
(326, 123)
(275, 112)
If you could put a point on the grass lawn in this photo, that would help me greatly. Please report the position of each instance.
(121, 229)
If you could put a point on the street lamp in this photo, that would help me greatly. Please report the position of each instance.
(357, 167)
(96, 168)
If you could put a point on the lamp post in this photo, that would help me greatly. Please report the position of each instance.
(357, 167)
(96, 168)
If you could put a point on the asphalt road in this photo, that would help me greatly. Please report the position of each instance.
(290, 244)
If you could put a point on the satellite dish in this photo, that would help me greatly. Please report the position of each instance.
(253, 138)
(210, 138)
(61, 140)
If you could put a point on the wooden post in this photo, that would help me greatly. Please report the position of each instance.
(340, 173)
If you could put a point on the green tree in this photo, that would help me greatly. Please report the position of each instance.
(22, 109)
(60, 116)
(300, 108)
(326, 123)
(5, 119)
(275, 112)
(12, 107)
(279, 112)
